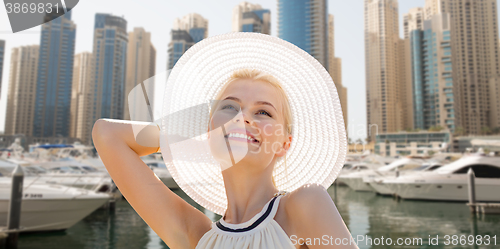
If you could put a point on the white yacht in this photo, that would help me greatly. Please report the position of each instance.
(353, 177)
(348, 168)
(356, 180)
(450, 182)
(378, 182)
(66, 172)
(49, 207)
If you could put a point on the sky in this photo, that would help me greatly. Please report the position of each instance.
(157, 16)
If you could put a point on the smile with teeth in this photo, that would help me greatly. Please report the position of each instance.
(243, 136)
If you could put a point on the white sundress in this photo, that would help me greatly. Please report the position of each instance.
(261, 231)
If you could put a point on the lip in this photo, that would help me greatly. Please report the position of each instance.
(241, 131)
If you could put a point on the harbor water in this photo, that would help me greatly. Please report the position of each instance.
(367, 215)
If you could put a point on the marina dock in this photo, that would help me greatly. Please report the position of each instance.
(485, 208)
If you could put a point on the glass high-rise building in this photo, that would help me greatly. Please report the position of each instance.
(54, 77)
(249, 17)
(432, 70)
(186, 31)
(109, 58)
(305, 24)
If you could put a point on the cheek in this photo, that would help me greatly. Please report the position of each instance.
(219, 119)
(269, 130)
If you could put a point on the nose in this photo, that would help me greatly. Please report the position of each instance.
(241, 116)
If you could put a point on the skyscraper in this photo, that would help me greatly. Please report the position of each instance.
(186, 31)
(22, 90)
(2, 51)
(494, 102)
(414, 19)
(81, 98)
(109, 58)
(249, 17)
(383, 85)
(404, 86)
(475, 49)
(335, 68)
(431, 8)
(432, 74)
(305, 24)
(141, 55)
(54, 77)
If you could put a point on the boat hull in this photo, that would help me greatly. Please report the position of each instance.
(452, 191)
(357, 184)
(49, 215)
(381, 188)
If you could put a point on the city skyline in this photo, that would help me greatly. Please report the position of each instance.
(340, 39)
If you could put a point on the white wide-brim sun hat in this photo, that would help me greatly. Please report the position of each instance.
(318, 149)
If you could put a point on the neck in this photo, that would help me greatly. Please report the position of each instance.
(247, 192)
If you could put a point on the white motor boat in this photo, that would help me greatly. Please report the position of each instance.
(450, 182)
(50, 207)
(378, 182)
(67, 173)
(356, 180)
(102, 184)
(79, 176)
(349, 168)
(353, 176)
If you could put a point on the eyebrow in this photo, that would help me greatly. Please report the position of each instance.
(257, 102)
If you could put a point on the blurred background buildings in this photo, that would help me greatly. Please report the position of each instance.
(441, 76)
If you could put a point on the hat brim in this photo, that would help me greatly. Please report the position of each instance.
(319, 146)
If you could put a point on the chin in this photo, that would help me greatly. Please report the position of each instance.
(220, 152)
(251, 164)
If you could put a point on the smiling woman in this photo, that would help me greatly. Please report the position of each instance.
(235, 167)
(262, 102)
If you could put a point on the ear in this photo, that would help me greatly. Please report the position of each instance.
(286, 146)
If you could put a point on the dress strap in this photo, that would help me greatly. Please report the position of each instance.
(269, 213)
(274, 209)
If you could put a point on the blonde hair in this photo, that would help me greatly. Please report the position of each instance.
(257, 75)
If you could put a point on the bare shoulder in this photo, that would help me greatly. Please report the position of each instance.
(312, 214)
(307, 199)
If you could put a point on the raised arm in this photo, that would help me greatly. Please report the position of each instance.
(179, 224)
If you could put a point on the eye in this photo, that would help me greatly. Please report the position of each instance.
(228, 107)
(264, 112)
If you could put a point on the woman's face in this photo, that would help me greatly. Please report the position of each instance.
(249, 120)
